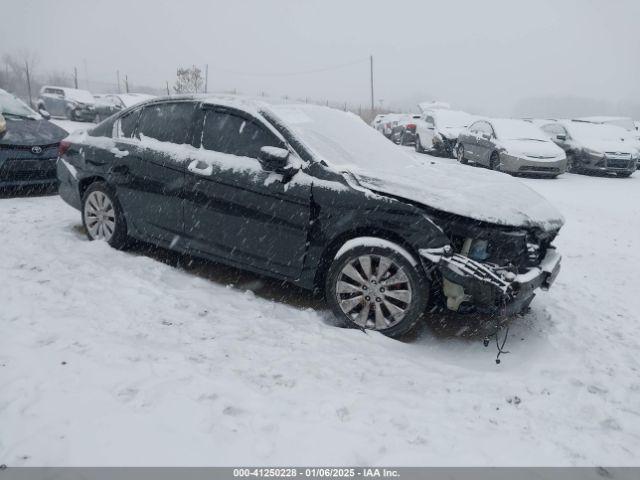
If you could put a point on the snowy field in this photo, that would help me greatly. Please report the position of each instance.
(112, 358)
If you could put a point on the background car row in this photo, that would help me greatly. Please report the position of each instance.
(540, 147)
(81, 105)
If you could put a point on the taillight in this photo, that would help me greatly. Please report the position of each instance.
(411, 126)
(63, 147)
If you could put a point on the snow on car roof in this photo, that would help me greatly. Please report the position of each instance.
(131, 99)
(515, 129)
(623, 122)
(74, 94)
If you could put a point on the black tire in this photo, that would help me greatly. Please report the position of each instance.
(402, 140)
(118, 237)
(460, 154)
(494, 161)
(418, 145)
(625, 174)
(418, 286)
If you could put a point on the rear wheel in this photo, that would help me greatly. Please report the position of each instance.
(377, 288)
(102, 216)
(460, 154)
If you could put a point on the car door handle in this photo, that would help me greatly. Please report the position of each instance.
(200, 168)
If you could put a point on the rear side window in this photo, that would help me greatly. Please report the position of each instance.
(229, 133)
(167, 122)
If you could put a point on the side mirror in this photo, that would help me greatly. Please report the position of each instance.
(561, 137)
(273, 159)
(46, 115)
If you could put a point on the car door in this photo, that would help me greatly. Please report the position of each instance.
(484, 143)
(429, 131)
(54, 102)
(153, 148)
(235, 210)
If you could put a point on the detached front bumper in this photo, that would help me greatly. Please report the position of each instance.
(470, 285)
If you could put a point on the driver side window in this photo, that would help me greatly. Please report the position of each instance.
(227, 132)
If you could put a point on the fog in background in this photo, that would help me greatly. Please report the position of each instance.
(537, 58)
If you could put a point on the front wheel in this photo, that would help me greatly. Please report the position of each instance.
(418, 145)
(460, 154)
(102, 216)
(494, 161)
(378, 287)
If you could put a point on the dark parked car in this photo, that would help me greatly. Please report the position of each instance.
(28, 145)
(71, 103)
(594, 148)
(404, 133)
(316, 197)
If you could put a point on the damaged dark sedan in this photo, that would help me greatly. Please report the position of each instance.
(315, 197)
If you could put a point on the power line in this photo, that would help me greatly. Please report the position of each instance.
(290, 74)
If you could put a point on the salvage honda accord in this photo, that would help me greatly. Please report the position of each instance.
(313, 196)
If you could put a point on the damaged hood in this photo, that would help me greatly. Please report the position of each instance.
(451, 133)
(478, 194)
(346, 144)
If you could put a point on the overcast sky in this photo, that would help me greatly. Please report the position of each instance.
(481, 55)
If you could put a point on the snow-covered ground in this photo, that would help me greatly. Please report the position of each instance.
(112, 358)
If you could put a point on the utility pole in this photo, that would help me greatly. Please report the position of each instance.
(168, 94)
(371, 68)
(26, 69)
(75, 77)
(126, 83)
(206, 78)
(118, 75)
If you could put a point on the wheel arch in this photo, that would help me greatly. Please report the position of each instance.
(337, 242)
(86, 182)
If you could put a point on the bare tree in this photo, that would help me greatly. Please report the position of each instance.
(189, 80)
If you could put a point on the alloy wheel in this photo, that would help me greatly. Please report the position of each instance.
(100, 216)
(374, 291)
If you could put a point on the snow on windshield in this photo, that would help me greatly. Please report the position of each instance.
(453, 118)
(341, 139)
(79, 95)
(591, 131)
(507, 129)
(11, 105)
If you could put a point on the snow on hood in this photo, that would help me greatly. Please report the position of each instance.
(452, 133)
(81, 96)
(600, 137)
(346, 143)
(538, 149)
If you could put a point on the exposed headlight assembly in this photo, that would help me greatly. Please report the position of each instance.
(593, 153)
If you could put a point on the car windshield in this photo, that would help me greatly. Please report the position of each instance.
(10, 105)
(591, 131)
(507, 129)
(453, 119)
(341, 139)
